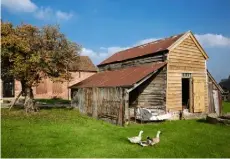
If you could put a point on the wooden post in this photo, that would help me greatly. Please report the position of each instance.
(126, 107)
(220, 103)
(120, 112)
(94, 102)
(84, 100)
(191, 96)
(211, 105)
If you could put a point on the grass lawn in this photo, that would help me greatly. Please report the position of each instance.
(66, 133)
(226, 107)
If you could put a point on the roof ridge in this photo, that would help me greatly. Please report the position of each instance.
(119, 53)
(155, 41)
(152, 42)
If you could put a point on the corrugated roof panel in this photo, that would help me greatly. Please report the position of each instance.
(119, 78)
(145, 49)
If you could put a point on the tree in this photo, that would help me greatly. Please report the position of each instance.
(30, 53)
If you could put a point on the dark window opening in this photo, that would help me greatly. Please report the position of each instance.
(185, 93)
(8, 87)
(73, 92)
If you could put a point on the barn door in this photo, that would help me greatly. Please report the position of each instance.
(198, 95)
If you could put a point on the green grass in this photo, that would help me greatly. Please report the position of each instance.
(226, 107)
(54, 101)
(65, 133)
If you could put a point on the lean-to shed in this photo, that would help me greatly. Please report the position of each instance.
(214, 95)
(107, 94)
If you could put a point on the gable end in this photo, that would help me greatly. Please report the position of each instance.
(189, 34)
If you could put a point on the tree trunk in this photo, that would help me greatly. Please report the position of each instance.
(29, 104)
(15, 100)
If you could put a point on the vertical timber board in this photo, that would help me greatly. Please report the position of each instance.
(86, 100)
(199, 95)
(211, 99)
(191, 103)
(220, 103)
(126, 95)
(91, 101)
(216, 101)
(94, 102)
(121, 110)
(99, 101)
(83, 100)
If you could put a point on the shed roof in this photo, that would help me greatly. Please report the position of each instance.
(119, 78)
(84, 64)
(141, 50)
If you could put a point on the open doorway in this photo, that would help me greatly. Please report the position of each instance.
(185, 93)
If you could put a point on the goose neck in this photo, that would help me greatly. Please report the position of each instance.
(158, 135)
(140, 133)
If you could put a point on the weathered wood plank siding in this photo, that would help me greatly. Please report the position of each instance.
(151, 93)
(185, 58)
(160, 57)
(105, 103)
(211, 87)
(211, 104)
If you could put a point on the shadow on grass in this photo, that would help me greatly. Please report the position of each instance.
(59, 107)
(44, 107)
(210, 123)
(137, 121)
(202, 121)
(53, 101)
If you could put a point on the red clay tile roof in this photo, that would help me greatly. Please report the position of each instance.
(85, 64)
(145, 49)
(119, 78)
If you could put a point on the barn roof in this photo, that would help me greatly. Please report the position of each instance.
(119, 78)
(84, 64)
(142, 50)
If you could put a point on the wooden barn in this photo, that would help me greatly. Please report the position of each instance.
(167, 75)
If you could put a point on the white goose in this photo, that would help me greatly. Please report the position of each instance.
(136, 139)
(156, 139)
